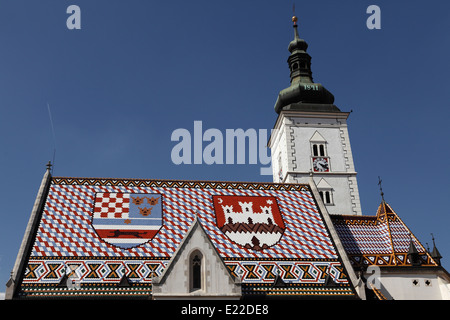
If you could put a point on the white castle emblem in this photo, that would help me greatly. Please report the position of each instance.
(254, 222)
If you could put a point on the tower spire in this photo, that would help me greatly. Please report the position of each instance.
(299, 61)
(303, 94)
(435, 254)
(381, 189)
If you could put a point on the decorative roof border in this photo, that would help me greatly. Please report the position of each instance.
(68, 258)
(226, 259)
(90, 291)
(354, 220)
(179, 184)
(388, 260)
(290, 289)
(282, 259)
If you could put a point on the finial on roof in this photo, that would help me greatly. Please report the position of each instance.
(435, 254)
(432, 237)
(381, 189)
(294, 18)
(296, 36)
(49, 165)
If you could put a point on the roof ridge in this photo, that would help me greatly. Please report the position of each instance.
(384, 215)
(177, 180)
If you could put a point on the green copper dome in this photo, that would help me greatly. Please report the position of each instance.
(303, 94)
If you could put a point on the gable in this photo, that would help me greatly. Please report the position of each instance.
(323, 184)
(317, 137)
(215, 280)
(95, 231)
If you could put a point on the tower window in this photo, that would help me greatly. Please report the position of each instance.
(326, 196)
(321, 150)
(318, 150)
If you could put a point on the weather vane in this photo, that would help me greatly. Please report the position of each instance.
(381, 189)
(294, 18)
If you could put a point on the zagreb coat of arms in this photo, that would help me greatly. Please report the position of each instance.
(250, 221)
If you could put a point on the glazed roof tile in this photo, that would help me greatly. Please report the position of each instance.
(383, 239)
(102, 229)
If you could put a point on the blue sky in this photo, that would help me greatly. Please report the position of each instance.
(137, 70)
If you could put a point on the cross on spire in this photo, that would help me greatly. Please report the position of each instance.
(294, 18)
(381, 189)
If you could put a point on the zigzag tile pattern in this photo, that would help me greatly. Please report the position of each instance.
(66, 243)
(381, 240)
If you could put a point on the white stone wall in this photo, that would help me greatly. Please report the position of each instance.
(216, 280)
(279, 151)
(292, 142)
(414, 287)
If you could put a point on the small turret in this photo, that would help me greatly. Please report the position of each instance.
(413, 254)
(435, 254)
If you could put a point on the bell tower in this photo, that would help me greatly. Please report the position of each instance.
(311, 137)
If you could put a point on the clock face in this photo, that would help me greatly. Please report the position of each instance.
(321, 165)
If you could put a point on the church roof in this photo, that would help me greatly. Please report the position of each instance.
(101, 232)
(381, 240)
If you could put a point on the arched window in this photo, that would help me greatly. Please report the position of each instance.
(315, 152)
(322, 150)
(319, 150)
(195, 265)
(326, 196)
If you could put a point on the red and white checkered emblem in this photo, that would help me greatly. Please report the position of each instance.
(127, 220)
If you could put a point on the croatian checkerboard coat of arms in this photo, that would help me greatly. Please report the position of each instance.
(127, 220)
(252, 222)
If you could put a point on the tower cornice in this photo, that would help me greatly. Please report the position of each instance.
(305, 114)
